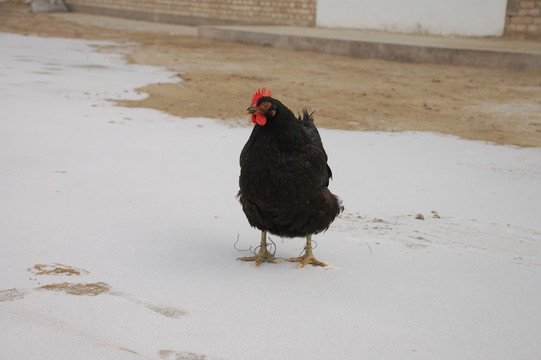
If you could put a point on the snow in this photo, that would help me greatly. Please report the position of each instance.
(141, 204)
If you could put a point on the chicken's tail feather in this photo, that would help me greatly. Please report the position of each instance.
(307, 118)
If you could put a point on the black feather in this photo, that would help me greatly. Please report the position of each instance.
(284, 176)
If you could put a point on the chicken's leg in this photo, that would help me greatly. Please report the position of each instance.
(263, 256)
(308, 257)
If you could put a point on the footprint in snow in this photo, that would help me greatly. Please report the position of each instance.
(11, 295)
(84, 289)
(183, 355)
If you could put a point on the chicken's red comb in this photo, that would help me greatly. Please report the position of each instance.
(258, 94)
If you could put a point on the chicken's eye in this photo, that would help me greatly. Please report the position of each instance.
(266, 105)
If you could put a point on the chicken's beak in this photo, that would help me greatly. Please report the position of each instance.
(252, 110)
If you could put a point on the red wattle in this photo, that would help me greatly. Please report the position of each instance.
(261, 119)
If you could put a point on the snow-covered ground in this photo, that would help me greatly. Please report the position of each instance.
(118, 230)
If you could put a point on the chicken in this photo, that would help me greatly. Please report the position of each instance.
(284, 178)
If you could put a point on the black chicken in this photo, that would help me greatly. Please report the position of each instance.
(284, 177)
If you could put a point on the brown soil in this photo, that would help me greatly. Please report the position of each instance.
(218, 79)
(78, 289)
(56, 269)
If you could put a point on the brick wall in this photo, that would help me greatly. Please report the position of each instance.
(199, 12)
(523, 19)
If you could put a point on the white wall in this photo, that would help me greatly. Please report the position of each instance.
(442, 17)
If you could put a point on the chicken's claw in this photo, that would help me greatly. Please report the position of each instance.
(260, 258)
(264, 255)
(305, 260)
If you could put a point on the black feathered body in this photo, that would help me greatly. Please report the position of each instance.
(284, 177)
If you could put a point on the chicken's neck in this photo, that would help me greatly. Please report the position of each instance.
(286, 132)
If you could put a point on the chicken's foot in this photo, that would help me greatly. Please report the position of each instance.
(264, 255)
(308, 257)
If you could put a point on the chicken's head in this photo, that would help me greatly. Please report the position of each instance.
(261, 107)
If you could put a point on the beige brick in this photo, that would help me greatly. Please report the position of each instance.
(511, 27)
(512, 13)
(300, 12)
(527, 4)
(521, 20)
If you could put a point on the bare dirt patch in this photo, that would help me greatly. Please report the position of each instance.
(218, 80)
(56, 269)
(77, 288)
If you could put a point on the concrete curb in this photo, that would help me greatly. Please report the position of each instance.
(489, 53)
